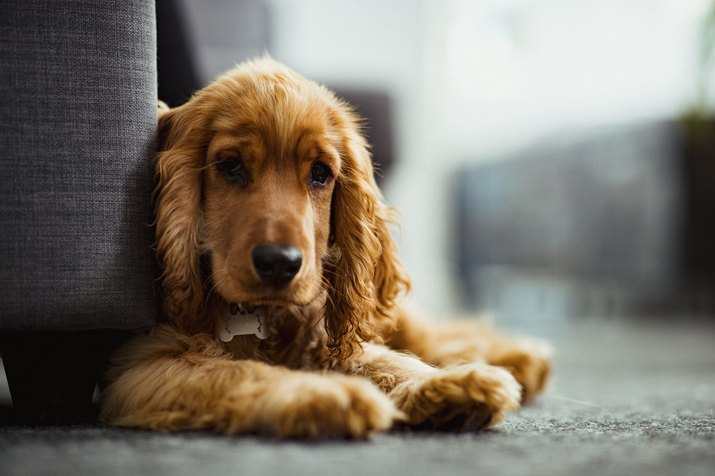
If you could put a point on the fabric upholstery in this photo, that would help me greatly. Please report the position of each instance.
(77, 125)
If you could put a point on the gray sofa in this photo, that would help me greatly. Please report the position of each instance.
(77, 124)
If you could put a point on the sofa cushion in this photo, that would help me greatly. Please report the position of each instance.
(77, 125)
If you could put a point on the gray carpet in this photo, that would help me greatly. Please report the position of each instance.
(626, 399)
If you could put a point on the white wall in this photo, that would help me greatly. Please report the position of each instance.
(473, 80)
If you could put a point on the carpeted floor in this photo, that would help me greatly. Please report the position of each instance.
(632, 398)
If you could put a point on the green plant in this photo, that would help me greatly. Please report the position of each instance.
(706, 59)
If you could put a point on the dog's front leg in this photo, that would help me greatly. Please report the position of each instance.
(462, 397)
(170, 381)
(444, 344)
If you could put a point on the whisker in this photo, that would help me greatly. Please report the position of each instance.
(322, 318)
(211, 291)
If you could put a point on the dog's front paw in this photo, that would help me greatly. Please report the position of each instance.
(465, 397)
(329, 406)
(529, 361)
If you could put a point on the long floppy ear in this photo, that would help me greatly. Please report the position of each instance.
(178, 216)
(366, 276)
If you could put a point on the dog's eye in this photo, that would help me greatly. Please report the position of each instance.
(233, 170)
(320, 174)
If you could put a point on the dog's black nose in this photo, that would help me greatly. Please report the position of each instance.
(277, 265)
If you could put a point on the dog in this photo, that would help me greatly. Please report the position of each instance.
(282, 289)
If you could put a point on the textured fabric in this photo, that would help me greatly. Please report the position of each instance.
(77, 125)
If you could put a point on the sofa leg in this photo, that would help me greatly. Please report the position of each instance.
(52, 375)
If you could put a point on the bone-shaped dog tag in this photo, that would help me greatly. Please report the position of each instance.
(240, 322)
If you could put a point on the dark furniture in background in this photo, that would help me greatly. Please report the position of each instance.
(77, 126)
(697, 147)
(610, 210)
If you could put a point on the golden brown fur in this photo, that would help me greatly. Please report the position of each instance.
(343, 357)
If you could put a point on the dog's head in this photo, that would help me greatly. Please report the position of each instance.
(266, 196)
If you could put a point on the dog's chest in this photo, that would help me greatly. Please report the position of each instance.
(289, 342)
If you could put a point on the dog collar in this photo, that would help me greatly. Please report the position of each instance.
(239, 322)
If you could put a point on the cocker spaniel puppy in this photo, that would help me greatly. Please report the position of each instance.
(281, 284)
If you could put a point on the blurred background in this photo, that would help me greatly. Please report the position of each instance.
(552, 160)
